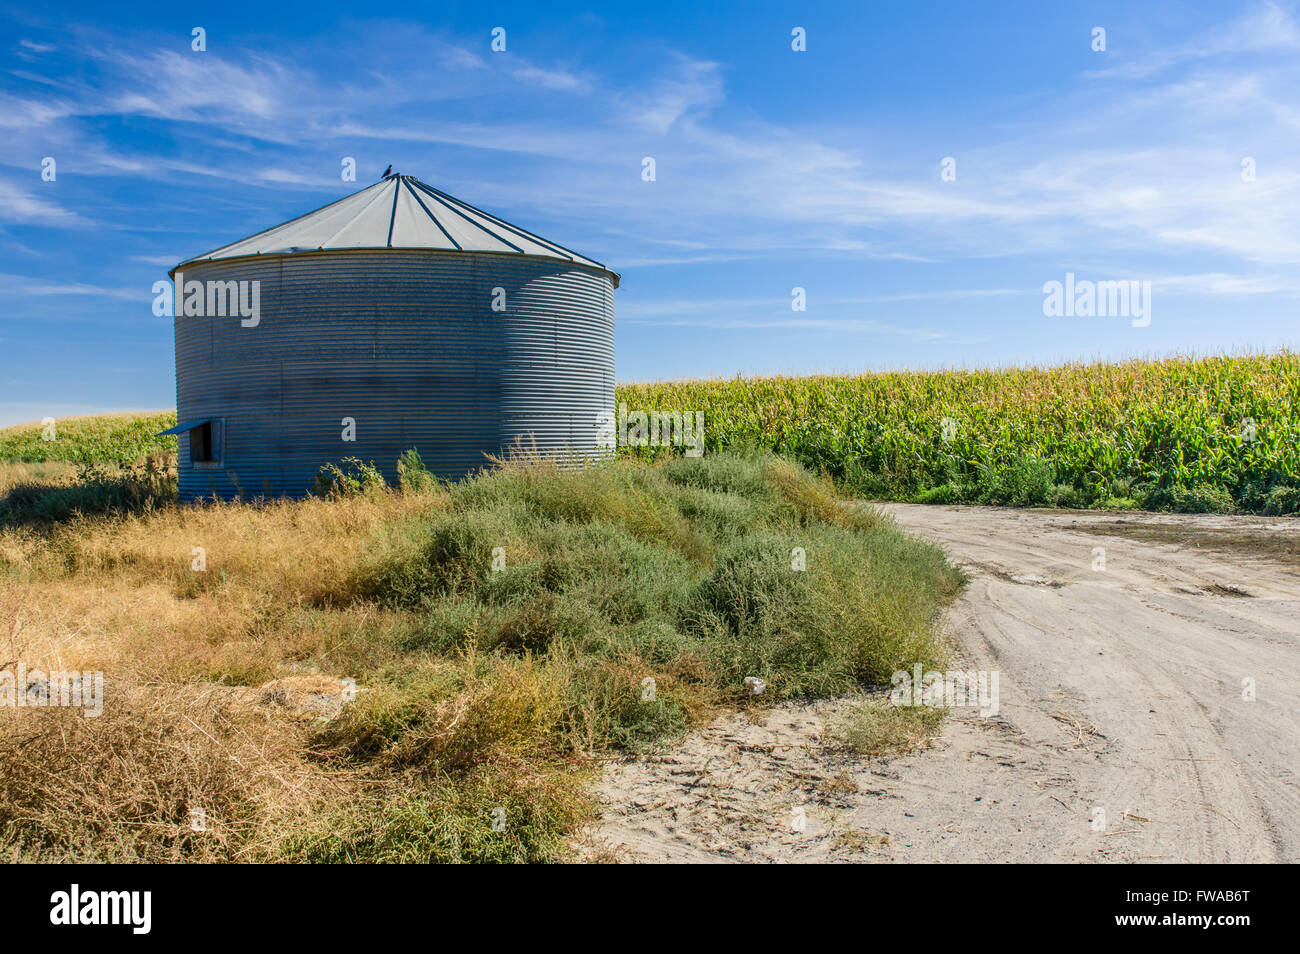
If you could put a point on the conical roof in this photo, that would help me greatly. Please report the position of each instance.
(398, 212)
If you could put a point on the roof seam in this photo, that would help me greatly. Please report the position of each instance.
(476, 225)
(350, 222)
(275, 228)
(392, 216)
(433, 218)
(522, 233)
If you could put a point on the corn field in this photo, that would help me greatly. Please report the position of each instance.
(121, 439)
(1214, 433)
(1189, 433)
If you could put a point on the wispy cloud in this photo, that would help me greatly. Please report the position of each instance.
(23, 285)
(860, 326)
(1269, 28)
(1221, 283)
(558, 79)
(21, 205)
(722, 306)
(1141, 159)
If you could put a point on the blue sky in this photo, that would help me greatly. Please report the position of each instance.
(818, 169)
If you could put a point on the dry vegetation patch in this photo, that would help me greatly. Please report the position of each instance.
(426, 673)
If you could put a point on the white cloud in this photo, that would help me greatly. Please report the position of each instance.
(1222, 283)
(190, 87)
(1268, 28)
(833, 325)
(19, 205)
(23, 285)
(716, 306)
(692, 87)
(550, 79)
(1125, 166)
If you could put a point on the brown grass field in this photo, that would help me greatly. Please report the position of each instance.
(483, 701)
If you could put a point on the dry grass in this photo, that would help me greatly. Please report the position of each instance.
(51, 473)
(166, 773)
(123, 592)
(119, 594)
(878, 728)
(225, 629)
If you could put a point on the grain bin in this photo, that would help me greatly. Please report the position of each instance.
(395, 318)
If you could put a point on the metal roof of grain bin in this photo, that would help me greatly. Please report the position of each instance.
(399, 317)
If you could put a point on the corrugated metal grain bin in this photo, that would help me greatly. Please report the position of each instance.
(395, 318)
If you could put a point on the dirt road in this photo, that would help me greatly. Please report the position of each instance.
(1127, 647)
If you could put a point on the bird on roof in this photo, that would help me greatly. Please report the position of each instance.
(388, 172)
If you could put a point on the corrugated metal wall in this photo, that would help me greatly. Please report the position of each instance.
(406, 343)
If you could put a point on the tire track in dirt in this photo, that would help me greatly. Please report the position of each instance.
(1123, 734)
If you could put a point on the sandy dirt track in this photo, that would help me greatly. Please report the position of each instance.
(1122, 734)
